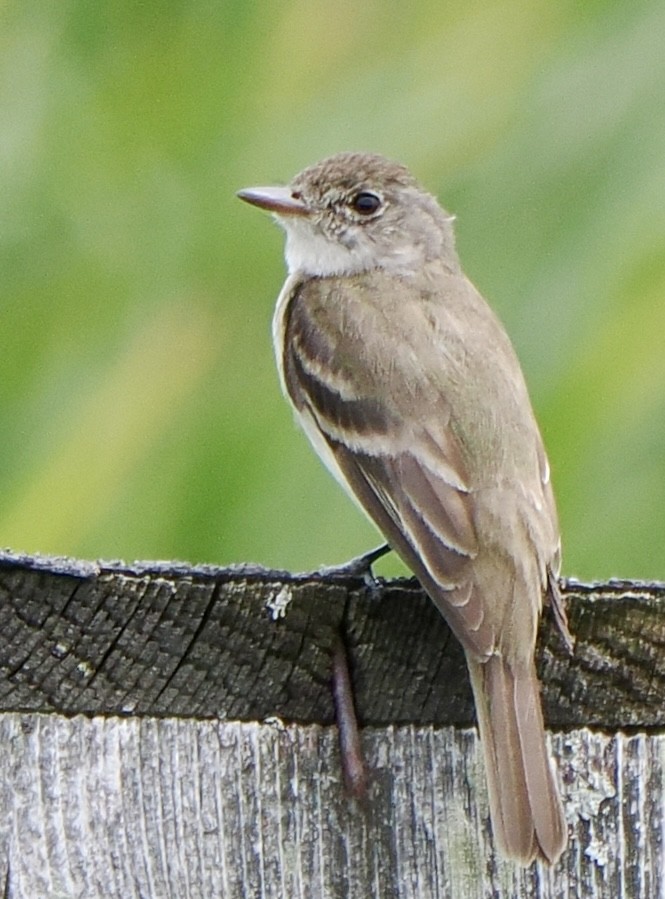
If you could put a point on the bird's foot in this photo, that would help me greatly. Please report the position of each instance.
(353, 761)
(559, 611)
(359, 567)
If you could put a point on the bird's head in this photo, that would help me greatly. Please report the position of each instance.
(355, 212)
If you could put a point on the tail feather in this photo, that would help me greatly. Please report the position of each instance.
(525, 806)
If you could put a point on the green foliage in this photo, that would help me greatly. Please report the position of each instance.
(140, 412)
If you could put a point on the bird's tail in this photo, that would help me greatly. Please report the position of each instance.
(525, 805)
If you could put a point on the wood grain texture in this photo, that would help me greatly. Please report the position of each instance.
(247, 643)
(180, 808)
(145, 748)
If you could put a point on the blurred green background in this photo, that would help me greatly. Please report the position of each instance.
(140, 411)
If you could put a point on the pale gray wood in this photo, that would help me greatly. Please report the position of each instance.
(160, 791)
(111, 807)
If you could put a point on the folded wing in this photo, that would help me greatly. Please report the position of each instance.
(406, 471)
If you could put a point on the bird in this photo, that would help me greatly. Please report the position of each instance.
(410, 391)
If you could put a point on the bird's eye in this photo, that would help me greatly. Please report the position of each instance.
(365, 202)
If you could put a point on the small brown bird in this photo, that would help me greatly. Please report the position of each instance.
(409, 389)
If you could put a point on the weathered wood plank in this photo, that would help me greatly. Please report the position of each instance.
(175, 783)
(147, 807)
(246, 643)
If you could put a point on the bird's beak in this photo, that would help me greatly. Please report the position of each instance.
(279, 200)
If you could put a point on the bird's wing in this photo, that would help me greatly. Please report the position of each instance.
(406, 469)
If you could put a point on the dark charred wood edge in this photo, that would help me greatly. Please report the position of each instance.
(249, 643)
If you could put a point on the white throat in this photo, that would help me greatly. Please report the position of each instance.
(311, 253)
